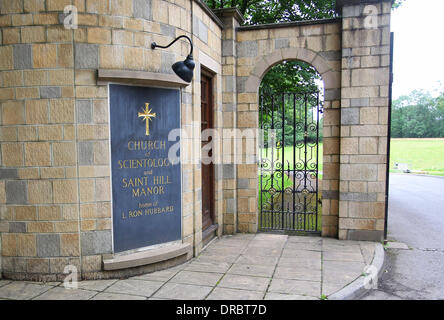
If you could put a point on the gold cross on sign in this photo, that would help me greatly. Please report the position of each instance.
(147, 116)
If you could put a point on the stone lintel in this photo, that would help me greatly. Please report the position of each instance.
(146, 257)
(139, 77)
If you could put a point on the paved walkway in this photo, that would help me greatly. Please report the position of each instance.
(244, 266)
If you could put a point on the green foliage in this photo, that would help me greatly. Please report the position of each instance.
(418, 115)
(397, 3)
(273, 11)
(291, 76)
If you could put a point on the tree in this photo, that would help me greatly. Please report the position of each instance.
(418, 115)
(274, 11)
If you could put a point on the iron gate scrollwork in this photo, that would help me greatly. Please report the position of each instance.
(289, 161)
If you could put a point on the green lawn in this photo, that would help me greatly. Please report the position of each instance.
(300, 156)
(421, 155)
(286, 220)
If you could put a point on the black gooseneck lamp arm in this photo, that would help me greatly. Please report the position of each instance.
(155, 45)
(184, 69)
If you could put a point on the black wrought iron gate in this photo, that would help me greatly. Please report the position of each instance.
(289, 158)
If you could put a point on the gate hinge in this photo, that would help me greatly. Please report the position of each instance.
(320, 202)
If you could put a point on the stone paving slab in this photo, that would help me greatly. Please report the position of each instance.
(21, 290)
(116, 296)
(136, 287)
(178, 291)
(298, 287)
(235, 294)
(235, 281)
(197, 278)
(239, 267)
(252, 270)
(281, 296)
(60, 293)
(298, 274)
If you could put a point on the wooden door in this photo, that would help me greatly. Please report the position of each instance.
(207, 169)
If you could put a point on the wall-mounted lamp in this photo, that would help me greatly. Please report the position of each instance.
(184, 69)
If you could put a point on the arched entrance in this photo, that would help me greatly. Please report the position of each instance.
(330, 154)
(290, 151)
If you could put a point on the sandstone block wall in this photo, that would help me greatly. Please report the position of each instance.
(55, 194)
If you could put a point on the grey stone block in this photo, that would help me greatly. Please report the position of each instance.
(50, 92)
(228, 171)
(351, 11)
(331, 55)
(168, 31)
(22, 56)
(96, 242)
(229, 83)
(228, 48)
(8, 173)
(229, 107)
(168, 59)
(358, 196)
(330, 195)
(196, 26)
(84, 111)
(142, 9)
(16, 192)
(332, 94)
(365, 235)
(241, 83)
(231, 204)
(346, 52)
(247, 49)
(86, 56)
(243, 183)
(360, 102)
(203, 32)
(17, 227)
(86, 153)
(48, 245)
(349, 116)
(281, 43)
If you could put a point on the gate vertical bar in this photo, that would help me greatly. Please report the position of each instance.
(272, 161)
(262, 124)
(317, 160)
(294, 160)
(305, 161)
(283, 163)
(387, 177)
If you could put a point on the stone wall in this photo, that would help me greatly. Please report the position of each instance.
(55, 194)
(364, 119)
(317, 43)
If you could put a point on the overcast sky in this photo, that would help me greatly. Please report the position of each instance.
(419, 46)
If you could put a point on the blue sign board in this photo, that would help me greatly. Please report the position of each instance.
(146, 186)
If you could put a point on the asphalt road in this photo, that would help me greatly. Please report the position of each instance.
(416, 218)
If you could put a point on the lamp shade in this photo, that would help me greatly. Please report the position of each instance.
(184, 69)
